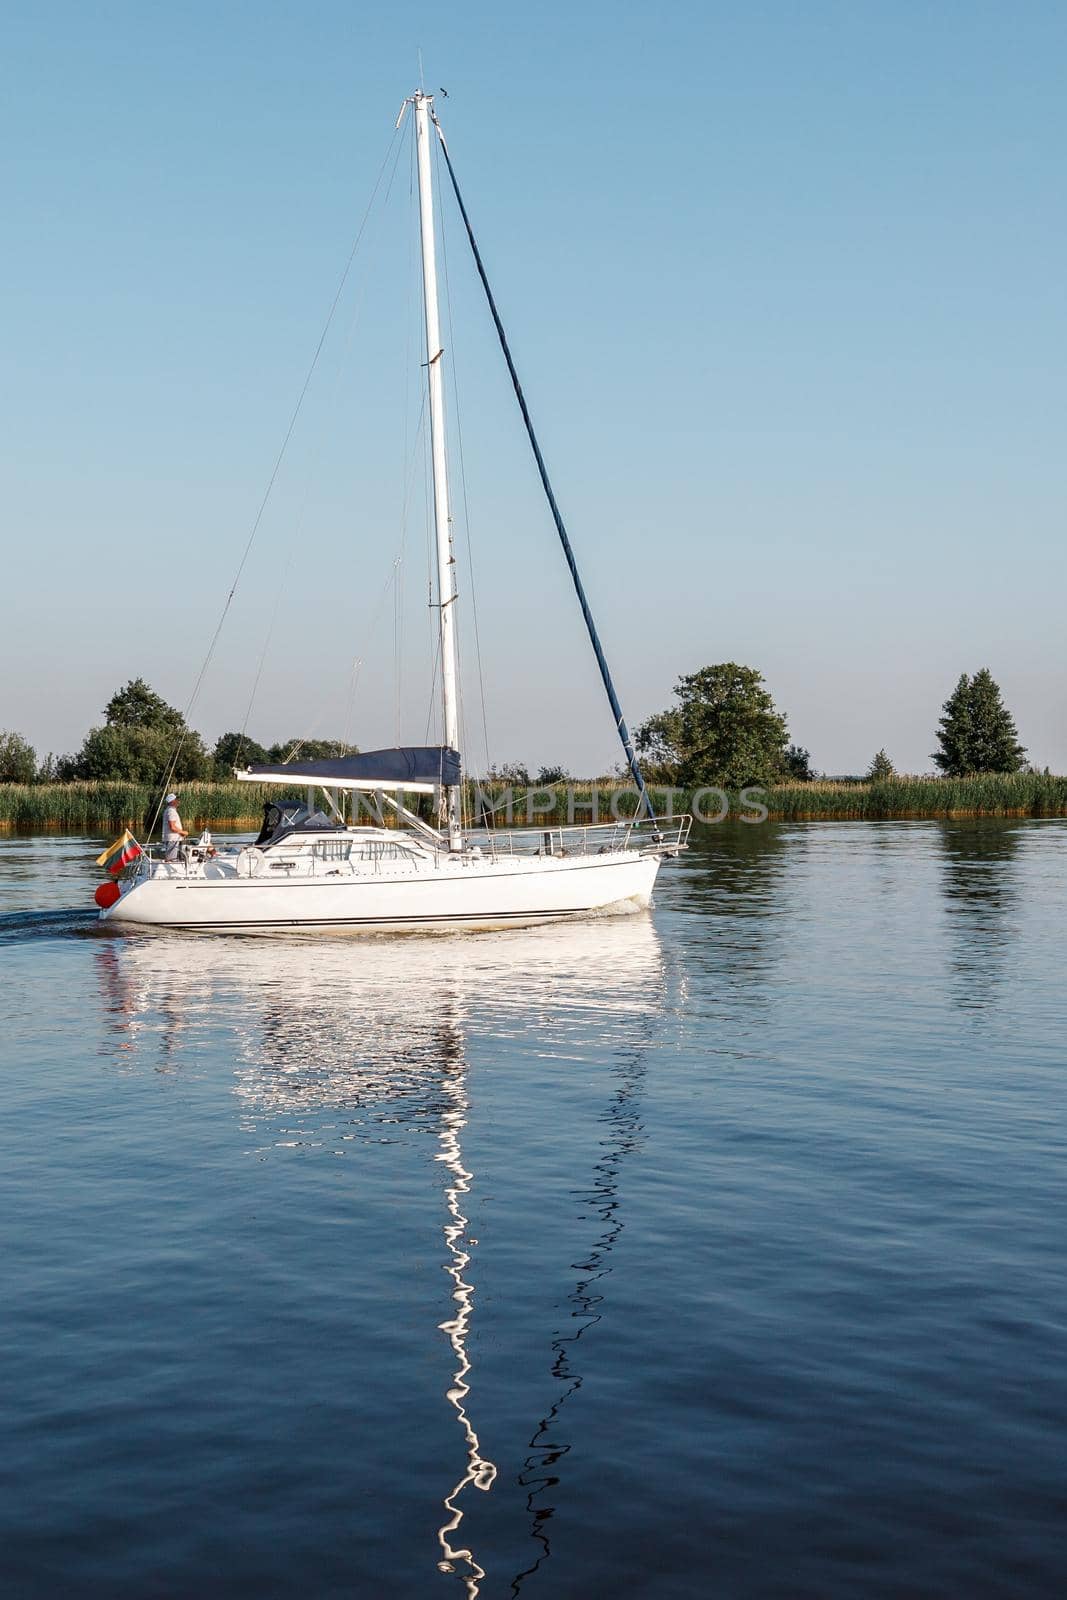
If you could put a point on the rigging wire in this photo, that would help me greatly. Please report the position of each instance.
(294, 543)
(433, 692)
(375, 616)
(463, 475)
(557, 516)
(353, 682)
(398, 634)
(394, 577)
(431, 579)
(171, 766)
(457, 640)
(409, 461)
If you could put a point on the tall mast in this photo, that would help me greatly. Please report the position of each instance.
(446, 561)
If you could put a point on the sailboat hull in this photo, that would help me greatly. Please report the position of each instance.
(470, 894)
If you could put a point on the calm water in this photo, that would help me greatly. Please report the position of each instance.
(714, 1252)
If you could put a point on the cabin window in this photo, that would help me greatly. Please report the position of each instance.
(333, 849)
(373, 851)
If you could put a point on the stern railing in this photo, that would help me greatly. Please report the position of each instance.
(662, 836)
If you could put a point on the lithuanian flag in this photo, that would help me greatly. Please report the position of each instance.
(120, 854)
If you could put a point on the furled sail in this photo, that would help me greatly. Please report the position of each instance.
(415, 767)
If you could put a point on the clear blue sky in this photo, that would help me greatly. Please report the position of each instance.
(785, 284)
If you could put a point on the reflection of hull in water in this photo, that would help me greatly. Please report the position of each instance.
(325, 1022)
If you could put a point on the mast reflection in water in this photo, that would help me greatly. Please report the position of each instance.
(479, 1471)
(377, 1031)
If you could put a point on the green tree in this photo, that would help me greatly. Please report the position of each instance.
(141, 738)
(880, 769)
(234, 749)
(514, 773)
(142, 755)
(64, 769)
(18, 759)
(977, 732)
(797, 762)
(550, 775)
(309, 750)
(56, 769)
(138, 706)
(724, 730)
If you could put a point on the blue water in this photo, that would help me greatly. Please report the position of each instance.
(713, 1252)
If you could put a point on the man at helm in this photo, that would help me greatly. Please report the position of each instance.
(173, 832)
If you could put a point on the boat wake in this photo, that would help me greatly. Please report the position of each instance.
(20, 927)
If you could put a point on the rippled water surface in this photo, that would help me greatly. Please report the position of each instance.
(718, 1251)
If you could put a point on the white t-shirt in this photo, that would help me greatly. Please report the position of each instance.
(171, 821)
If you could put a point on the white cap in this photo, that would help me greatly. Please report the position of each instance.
(168, 798)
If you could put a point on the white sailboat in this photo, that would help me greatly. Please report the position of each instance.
(311, 870)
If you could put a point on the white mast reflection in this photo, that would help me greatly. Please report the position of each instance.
(479, 1471)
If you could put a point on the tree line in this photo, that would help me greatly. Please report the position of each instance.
(139, 739)
(723, 729)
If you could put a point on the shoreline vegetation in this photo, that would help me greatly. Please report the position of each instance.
(100, 807)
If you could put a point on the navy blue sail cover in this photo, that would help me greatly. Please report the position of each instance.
(407, 764)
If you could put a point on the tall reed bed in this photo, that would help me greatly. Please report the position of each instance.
(110, 807)
(985, 795)
(1019, 794)
(107, 808)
